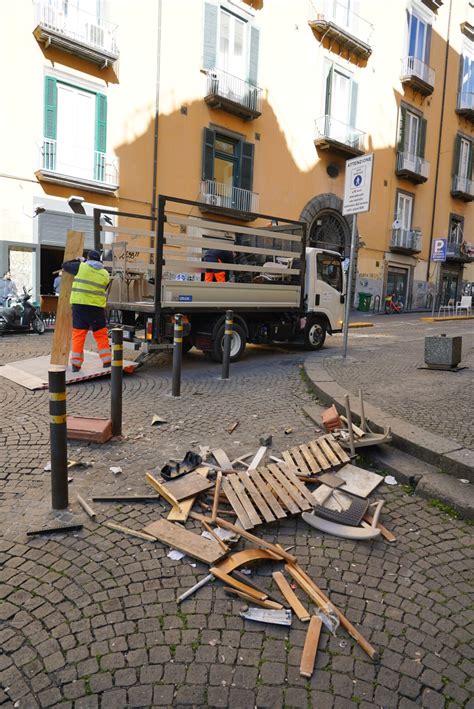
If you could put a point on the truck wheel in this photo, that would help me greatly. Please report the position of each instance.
(314, 334)
(237, 346)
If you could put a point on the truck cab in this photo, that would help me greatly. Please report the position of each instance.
(324, 289)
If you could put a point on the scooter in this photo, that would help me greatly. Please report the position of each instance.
(19, 315)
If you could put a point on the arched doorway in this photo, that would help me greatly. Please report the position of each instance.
(328, 228)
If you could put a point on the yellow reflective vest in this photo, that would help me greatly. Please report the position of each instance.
(90, 286)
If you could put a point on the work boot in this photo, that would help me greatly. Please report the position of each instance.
(75, 368)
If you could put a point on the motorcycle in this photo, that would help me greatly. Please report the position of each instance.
(19, 315)
(393, 304)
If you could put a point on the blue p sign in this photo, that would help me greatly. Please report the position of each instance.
(438, 252)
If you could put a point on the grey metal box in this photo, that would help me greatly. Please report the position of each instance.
(443, 352)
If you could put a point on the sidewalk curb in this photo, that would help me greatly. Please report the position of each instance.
(441, 454)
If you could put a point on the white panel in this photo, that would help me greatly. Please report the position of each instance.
(75, 132)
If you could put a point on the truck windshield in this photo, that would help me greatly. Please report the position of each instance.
(330, 271)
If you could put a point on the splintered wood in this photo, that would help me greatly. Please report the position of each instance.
(271, 492)
(324, 453)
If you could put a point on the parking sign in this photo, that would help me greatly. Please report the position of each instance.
(439, 249)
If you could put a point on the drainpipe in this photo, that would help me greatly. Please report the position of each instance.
(157, 113)
(439, 143)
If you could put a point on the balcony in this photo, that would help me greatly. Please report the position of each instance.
(332, 20)
(406, 241)
(433, 5)
(76, 32)
(418, 75)
(413, 168)
(465, 105)
(99, 174)
(331, 134)
(462, 188)
(224, 199)
(462, 252)
(233, 95)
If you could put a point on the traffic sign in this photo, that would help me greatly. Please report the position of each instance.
(358, 185)
(439, 249)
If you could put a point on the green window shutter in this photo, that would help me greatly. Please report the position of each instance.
(327, 107)
(421, 138)
(402, 119)
(428, 44)
(457, 154)
(246, 166)
(469, 162)
(50, 107)
(353, 111)
(253, 55)
(101, 123)
(208, 149)
(210, 35)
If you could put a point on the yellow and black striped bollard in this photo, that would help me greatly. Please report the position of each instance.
(116, 381)
(177, 355)
(58, 438)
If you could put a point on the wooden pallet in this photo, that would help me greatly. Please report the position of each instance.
(271, 492)
(324, 453)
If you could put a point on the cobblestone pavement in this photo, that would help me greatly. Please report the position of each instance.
(90, 619)
(385, 362)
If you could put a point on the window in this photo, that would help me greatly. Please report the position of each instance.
(456, 230)
(75, 130)
(329, 270)
(419, 35)
(404, 212)
(466, 75)
(411, 133)
(340, 102)
(227, 160)
(231, 41)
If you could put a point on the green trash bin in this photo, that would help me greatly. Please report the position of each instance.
(364, 302)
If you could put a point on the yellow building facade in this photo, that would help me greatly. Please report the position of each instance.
(245, 107)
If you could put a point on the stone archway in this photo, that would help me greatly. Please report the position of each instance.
(328, 228)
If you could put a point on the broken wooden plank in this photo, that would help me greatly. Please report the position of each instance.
(279, 490)
(244, 499)
(236, 505)
(265, 604)
(308, 658)
(63, 325)
(386, 533)
(358, 431)
(258, 457)
(251, 582)
(222, 459)
(191, 544)
(215, 536)
(258, 500)
(185, 507)
(268, 495)
(160, 488)
(188, 485)
(132, 532)
(292, 490)
(319, 455)
(230, 581)
(241, 558)
(217, 490)
(290, 596)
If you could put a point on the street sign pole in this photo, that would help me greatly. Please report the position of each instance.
(350, 277)
(438, 256)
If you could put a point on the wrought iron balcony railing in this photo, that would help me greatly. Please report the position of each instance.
(412, 167)
(406, 240)
(418, 75)
(102, 172)
(465, 104)
(462, 187)
(233, 94)
(331, 133)
(334, 20)
(218, 195)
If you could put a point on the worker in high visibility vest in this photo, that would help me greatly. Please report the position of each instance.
(88, 299)
(217, 256)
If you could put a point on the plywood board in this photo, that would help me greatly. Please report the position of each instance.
(185, 507)
(63, 325)
(188, 485)
(191, 544)
(358, 481)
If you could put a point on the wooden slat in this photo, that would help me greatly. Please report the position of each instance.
(300, 486)
(311, 460)
(236, 504)
(188, 485)
(161, 489)
(259, 501)
(300, 461)
(292, 490)
(197, 263)
(192, 544)
(286, 455)
(328, 452)
(340, 452)
(127, 230)
(268, 495)
(290, 596)
(219, 226)
(222, 458)
(319, 455)
(227, 245)
(230, 581)
(308, 658)
(386, 533)
(63, 326)
(279, 490)
(185, 507)
(244, 499)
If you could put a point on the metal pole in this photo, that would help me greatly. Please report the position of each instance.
(58, 438)
(116, 377)
(350, 277)
(229, 321)
(177, 355)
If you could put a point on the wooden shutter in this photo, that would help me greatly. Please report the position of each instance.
(246, 166)
(253, 55)
(327, 107)
(50, 107)
(428, 44)
(421, 138)
(208, 148)
(457, 154)
(470, 160)
(101, 123)
(402, 120)
(353, 111)
(210, 35)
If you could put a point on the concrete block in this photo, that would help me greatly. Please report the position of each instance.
(83, 428)
(450, 491)
(443, 352)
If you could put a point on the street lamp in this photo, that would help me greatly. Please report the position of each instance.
(76, 203)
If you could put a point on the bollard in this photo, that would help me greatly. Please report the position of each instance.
(116, 380)
(227, 343)
(177, 355)
(58, 438)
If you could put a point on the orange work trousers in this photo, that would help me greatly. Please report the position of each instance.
(215, 276)
(102, 341)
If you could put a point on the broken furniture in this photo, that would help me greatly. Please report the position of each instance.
(351, 440)
(190, 462)
(324, 453)
(443, 352)
(340, 514)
